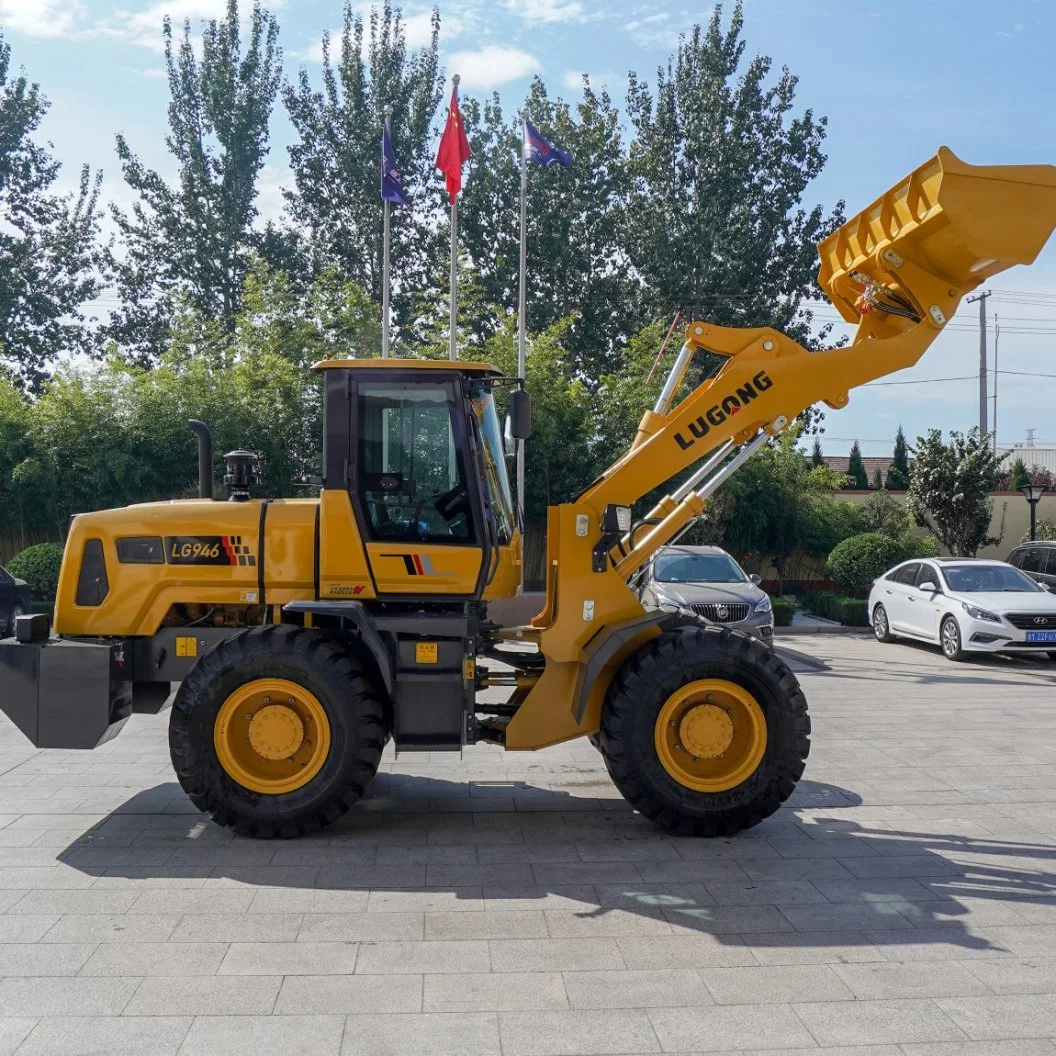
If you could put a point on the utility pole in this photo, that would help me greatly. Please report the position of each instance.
(997, 335)
(981, 298)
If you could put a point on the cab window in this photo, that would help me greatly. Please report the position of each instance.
(410, 475)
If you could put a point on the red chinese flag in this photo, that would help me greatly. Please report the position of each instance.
(454, 149)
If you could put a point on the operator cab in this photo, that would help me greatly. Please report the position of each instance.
(418, 446)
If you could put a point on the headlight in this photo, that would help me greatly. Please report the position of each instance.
(663, 599)
(980, 614)
(764, 606)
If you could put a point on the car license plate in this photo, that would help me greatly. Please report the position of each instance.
(1041, 636)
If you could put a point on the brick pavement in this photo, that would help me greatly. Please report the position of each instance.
(903, 904)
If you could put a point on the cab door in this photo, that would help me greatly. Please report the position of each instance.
(416, 501)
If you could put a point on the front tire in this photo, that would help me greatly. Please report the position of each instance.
(740, 712)
(276, 732)
(16, 611)
(950, 638)
(881, 628)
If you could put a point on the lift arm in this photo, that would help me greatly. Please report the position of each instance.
(898, 270)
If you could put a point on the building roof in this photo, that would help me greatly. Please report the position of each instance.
(871, 462)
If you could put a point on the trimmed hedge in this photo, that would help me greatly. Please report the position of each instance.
(39, 567)
(784, 609)
(851, 612)
(857, 561)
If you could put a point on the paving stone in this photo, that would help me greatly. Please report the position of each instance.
(915, 979)
(576, 1033)
(553, 955)
(75, 996)
(491, 924)
(604, 921)
(814, 947)
(649, 988)
(494, 992)
(774, 984)
(264, 1036)
(728, 1027)
(438, 1034)
(324, 994)
(289, 958)
(105, 1036)
(1002, 1017)
(397, 958)
(240, 927)
(682, 951)
(362, 927)
(205, 995)
(887, 1022)
(155, 958)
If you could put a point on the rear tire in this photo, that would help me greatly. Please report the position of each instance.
(881, 627)
(950, 640)
(344, 703)
(16, 611)
(637, 714)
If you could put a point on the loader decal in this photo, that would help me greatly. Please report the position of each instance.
(417, 564)
(208, 550)
(730, 405)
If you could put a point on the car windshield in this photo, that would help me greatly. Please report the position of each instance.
(983, 579)
(697, 568)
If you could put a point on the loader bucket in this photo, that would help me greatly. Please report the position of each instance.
(956, 224)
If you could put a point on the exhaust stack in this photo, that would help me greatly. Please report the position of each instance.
(205, 457)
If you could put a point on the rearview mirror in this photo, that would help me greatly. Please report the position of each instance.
(520, 414)
(928, 587)
(756, 578)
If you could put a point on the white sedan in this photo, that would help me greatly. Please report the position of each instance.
(966, 605)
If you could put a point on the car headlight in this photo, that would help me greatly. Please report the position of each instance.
(980, 614)
(764, 606)
(663, 599)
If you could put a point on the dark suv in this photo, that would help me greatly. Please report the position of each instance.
(1038, 560)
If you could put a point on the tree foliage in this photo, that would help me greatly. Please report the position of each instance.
(857, 561)
(335, 199)
(48, 241)
(856, 477)
(194, 240)
(898, 471)
(949, 489)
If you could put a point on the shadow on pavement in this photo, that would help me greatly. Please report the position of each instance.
(424, 843)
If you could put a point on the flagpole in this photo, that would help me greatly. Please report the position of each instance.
(454, 258)
(522, 363)
(386, 247)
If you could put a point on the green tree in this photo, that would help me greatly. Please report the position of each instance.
(898, 472)
(1020, 476)
(1046, 529)
(949, 489)
(816, 456)
(577, 266)
(878, 479)
(719, 166)
(194, 239)
(336, 196)
(48, 242)
(886, 516)
(856, 477)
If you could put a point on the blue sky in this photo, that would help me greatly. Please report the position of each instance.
(895, 79)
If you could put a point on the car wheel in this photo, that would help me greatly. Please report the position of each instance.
(15, 613)
(881, 628)
(950, 636)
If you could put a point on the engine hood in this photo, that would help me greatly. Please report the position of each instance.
(709, 593)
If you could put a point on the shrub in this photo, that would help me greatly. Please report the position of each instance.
(851, 612)
(914, 546)
(857, 561)
(39, 567)
(784, 608)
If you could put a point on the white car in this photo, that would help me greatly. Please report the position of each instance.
(966, 605)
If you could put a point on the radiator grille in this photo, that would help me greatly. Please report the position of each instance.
(1029, 621)
(729, 613)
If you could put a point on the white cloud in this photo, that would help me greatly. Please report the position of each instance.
(143, 27)
(417, 29)
(41, 18)
(652, 30)
(573, 79)
(548, 10)
(492, 66)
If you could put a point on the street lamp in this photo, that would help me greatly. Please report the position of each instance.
(1033, 493)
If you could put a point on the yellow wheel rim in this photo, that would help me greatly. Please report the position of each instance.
(272, 736)
(711, 735)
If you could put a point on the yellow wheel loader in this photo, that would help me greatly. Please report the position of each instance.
(305, 633)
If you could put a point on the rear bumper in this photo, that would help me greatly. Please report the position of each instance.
(65, 693)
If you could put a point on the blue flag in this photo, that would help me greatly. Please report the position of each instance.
(543, 152)
(391, 188)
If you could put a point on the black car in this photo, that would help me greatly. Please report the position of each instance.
(14, 601)
(1038, 560)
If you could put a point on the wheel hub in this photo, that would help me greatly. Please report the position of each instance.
(276, 732)
(706, 731)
